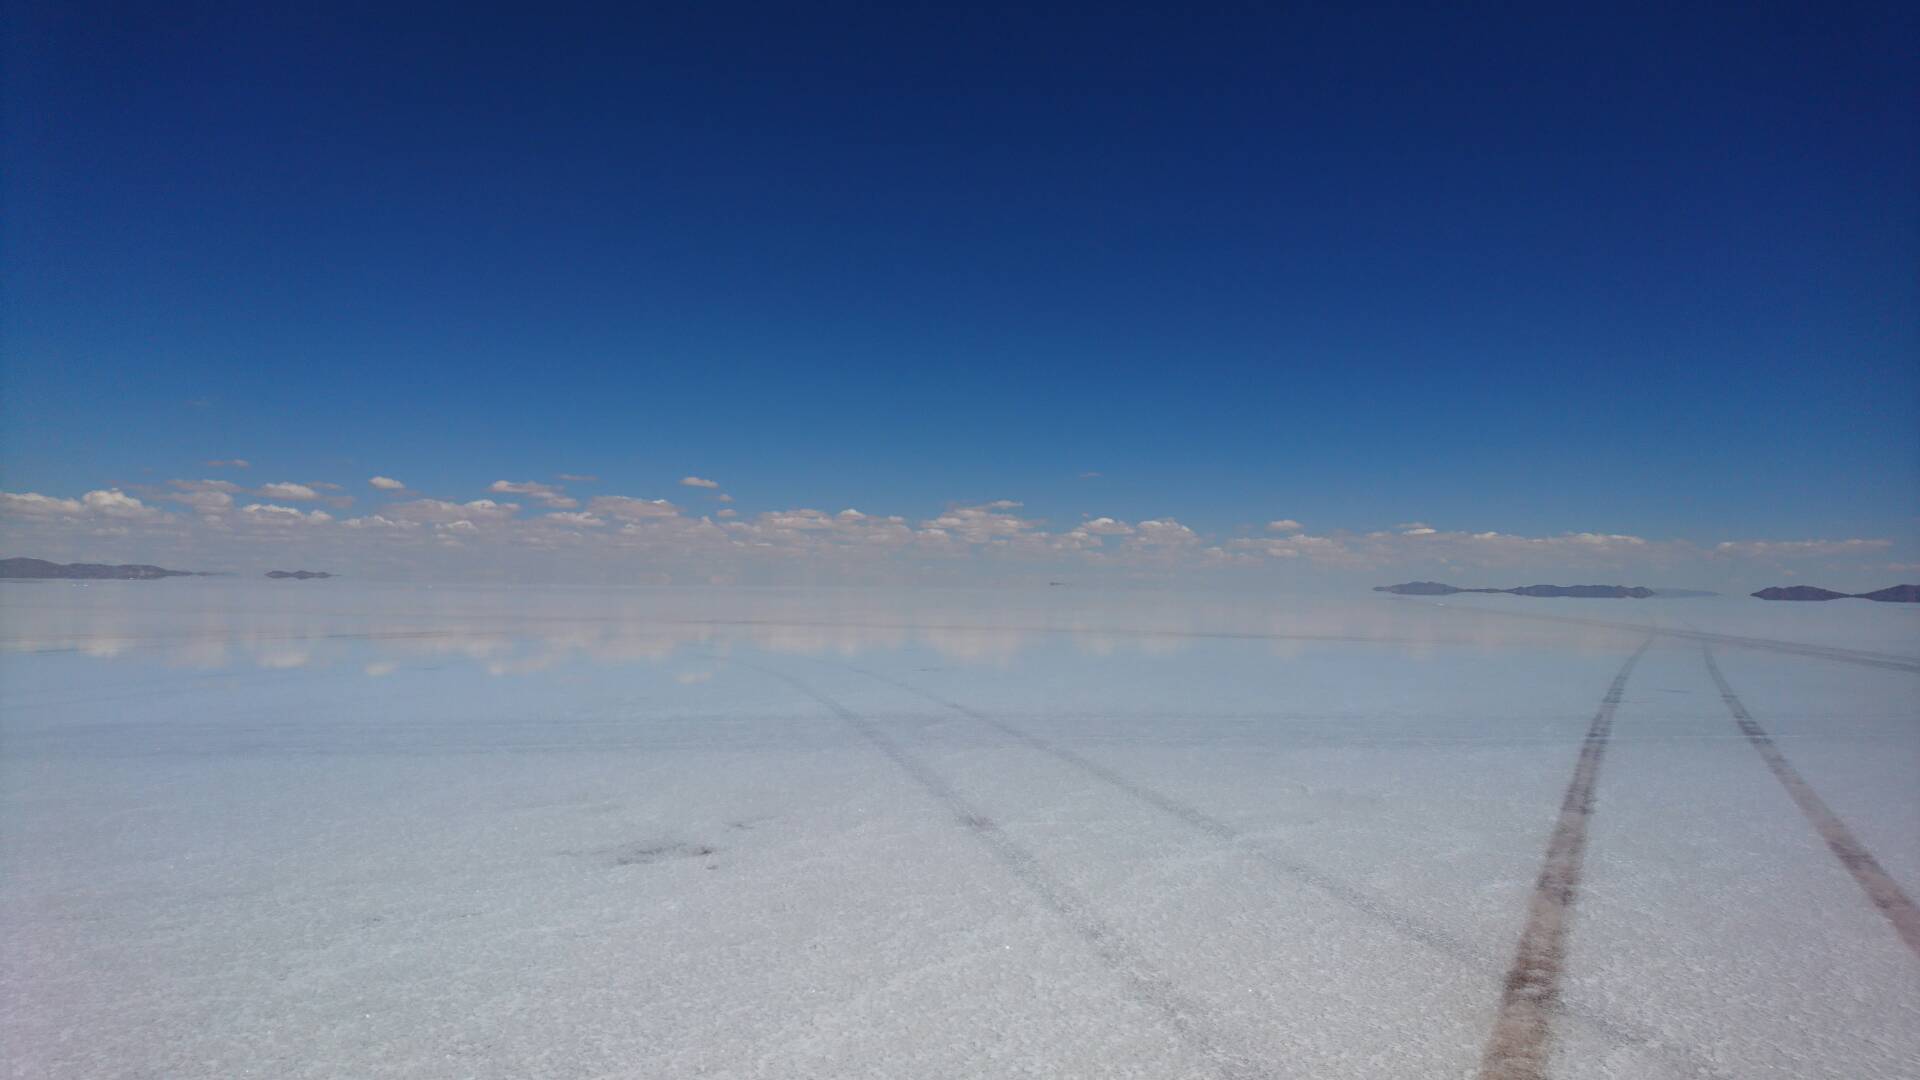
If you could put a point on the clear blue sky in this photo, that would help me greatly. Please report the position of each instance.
(1650, 272)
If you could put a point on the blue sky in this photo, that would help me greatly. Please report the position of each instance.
(1643, 272)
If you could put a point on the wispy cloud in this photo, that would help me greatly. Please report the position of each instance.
(386, 483)
(205, 496)
(228, 463)
(627, 508)
(286, 490)
(1800, 549)
(268, 513)
(547, 494)
(698, 482)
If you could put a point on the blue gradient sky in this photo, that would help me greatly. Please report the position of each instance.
(1651, 273)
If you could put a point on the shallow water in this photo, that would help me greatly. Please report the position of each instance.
(330, 829)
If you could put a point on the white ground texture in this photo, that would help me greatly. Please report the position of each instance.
(318, 829)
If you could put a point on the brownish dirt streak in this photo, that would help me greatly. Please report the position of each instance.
(1523, 1031)
(1881, 889)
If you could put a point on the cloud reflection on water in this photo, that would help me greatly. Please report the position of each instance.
(510, 632)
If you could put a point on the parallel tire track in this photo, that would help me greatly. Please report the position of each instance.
(1148, 986)
(1523, 1030)
(1407, 924)
(1881, 889)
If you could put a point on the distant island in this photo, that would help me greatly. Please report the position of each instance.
(1636, 592)
(299, 575)
(1892, 594)
(41, 569)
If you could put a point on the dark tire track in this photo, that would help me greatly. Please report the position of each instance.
(1148, 986)
(1523, 1029)
(1885, 893)
(1406, 924)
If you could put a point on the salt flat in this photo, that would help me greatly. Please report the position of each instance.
(327, 829)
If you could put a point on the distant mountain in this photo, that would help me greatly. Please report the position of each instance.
(43, 570)
(1635, 592)
(1893, 594)
(300, 575)
(1799, 592)
(1425, 588)
(1435, 588)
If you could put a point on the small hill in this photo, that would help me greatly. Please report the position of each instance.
(1609, 592)
(1799, 592)
(1892, 594)
(298, 575)
(41, 569)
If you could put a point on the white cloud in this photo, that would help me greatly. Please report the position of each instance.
(205, 496)
(386, 483)
(575, 518)
(578, 478)
(980, 524)
(111, 503)
(115, 503)
(1166, 531)
(698, 482)
(548, 494)
(627, 508)
(284, 490)
(1793, 549)
(796, 519)
(616, 533)
(34, 504)
(377, 521)
(268, 513)
(229, 463)
(440, 511)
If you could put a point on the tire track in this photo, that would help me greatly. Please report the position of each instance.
(1523, 1029)
(1148, 986)
(1881, 889)
(1406, 924)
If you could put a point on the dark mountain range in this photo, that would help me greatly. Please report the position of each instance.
(1892, 594)
(43, 570)
(298, 575)
(1435, 588)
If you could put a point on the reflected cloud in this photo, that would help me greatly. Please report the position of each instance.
(510, 632)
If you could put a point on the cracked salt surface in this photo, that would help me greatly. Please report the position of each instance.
(508, 833)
